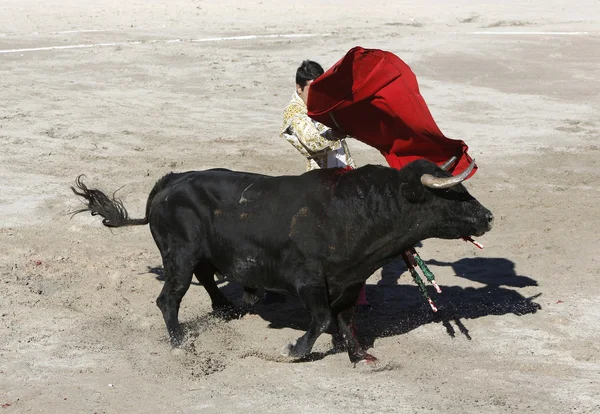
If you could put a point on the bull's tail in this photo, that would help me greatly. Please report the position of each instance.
(111, 209)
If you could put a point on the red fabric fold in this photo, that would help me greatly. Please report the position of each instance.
(374, 96)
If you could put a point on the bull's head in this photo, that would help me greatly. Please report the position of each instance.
(451, 212)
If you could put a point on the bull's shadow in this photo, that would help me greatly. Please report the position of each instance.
(400, 308)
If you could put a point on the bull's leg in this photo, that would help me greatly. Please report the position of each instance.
(316, 302)
(343, 309)
(205, 273)
(178, 276)
(337, 339)
(348, 331)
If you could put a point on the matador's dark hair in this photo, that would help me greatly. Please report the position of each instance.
(308, 70)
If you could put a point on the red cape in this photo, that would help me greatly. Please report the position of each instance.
(373, 96)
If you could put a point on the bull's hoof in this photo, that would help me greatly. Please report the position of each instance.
(292, 350)
(176, 338)
(287, 350)
(368, 360)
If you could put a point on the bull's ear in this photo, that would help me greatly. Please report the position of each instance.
(414, 192)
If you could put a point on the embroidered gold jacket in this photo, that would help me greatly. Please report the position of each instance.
(313, 139)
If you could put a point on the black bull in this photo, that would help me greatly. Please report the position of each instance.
(318, 236)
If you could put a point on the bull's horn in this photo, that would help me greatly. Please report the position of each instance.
(448, 163)
(430, 181)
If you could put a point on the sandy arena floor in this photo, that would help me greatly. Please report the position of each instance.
(126, 91)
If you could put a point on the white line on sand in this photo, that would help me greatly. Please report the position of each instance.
(252, 37)
(531, 33)
(77, 31)
(137, 42)
(38, 49)
(137, 28)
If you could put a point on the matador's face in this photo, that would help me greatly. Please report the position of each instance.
(303, 92)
